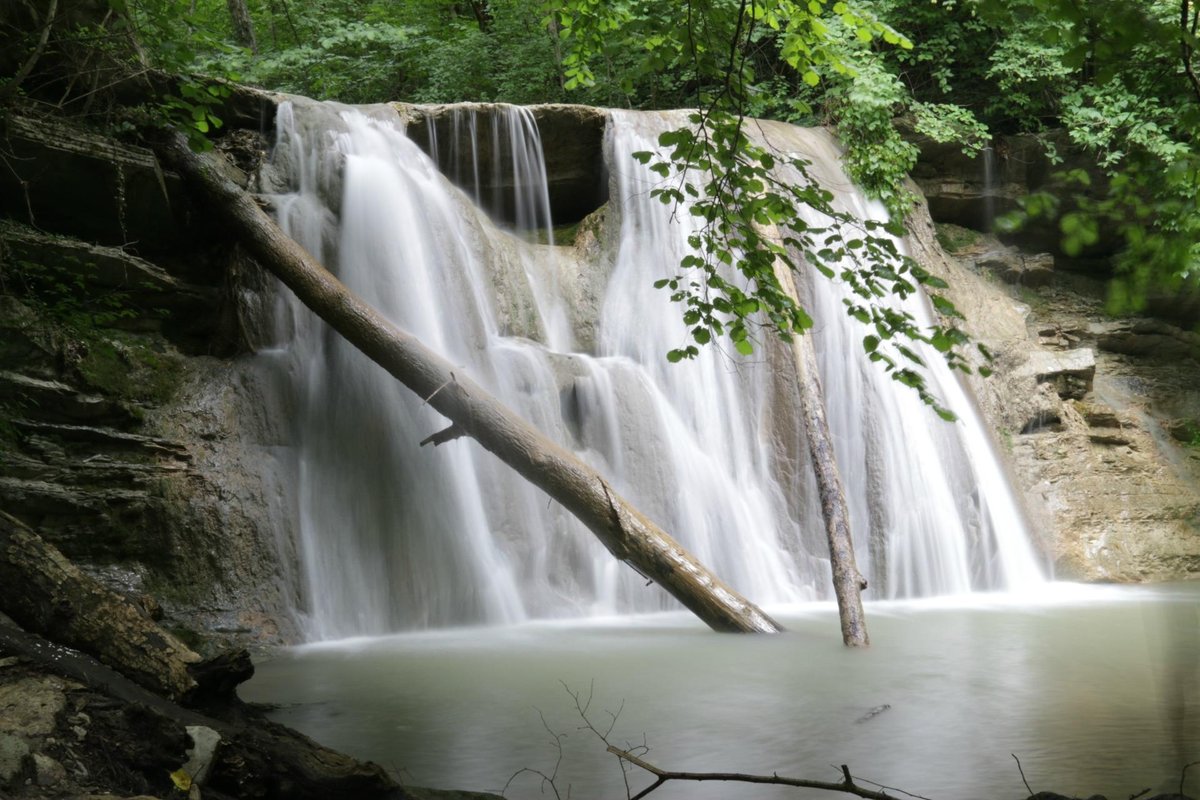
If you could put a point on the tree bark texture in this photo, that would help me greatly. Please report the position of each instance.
(848, 582)
(47, 594)
(243, 26)
(628, 534)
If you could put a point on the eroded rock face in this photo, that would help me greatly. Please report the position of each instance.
(132, 434)
(1095, 417)
(462, 140)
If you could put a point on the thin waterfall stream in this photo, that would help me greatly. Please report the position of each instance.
(447, 603)
(395, 538)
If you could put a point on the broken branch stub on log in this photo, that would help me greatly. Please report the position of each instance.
(628, 534)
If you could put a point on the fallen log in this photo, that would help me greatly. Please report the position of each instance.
(255, 758)
(628, 534)
(47, 594)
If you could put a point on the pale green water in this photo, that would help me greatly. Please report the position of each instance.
(1096, 690)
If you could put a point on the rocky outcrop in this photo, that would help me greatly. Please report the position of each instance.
(1096, 416)
(470, 148)
(131, 430)
(972, 190)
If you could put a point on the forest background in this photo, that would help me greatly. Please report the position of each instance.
(1118, 76)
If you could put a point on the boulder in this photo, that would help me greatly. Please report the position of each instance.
(1146, 337)
(1071, 372)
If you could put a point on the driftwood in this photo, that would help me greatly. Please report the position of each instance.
(628, 535)
(661, 776)
(47, 594)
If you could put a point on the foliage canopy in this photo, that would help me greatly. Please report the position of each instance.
(1118, 75)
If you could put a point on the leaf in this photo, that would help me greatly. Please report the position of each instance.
(744, 347)
(182, 780)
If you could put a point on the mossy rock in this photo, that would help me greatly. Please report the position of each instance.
(130, 367)
(955, 238)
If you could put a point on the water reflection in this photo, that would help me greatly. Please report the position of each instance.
(1095, 692)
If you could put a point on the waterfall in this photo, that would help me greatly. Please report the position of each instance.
(393, 536)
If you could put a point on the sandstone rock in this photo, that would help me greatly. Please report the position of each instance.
(121, 280)
(973, 191)
(1070, 372)
(1097, 415)
(64, 179)
(14, 758)
(1183, 430)
(1146, 337)
(47, 771)
(572, 142)
(46, 399)
(1011, 266)
(28, 707)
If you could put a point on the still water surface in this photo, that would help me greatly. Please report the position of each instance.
(1096, 690)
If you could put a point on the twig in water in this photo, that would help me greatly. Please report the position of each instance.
(661, 776)
(1183, 775)
(547, 780)
(627, 756)
(1022, 771)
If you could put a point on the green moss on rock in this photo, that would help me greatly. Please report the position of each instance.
(130, 367)
(955, 238)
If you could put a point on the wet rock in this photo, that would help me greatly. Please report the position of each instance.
(1014, 267)
(14, 759)
(572, 142)
(47, 771)
(68, 180)
(1146, 337)
(1070, 372)
(200, 755)
(1110, 497)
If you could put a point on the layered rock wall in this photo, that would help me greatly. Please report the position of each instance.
(132, 431)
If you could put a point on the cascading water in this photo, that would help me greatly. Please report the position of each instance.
(395, 537)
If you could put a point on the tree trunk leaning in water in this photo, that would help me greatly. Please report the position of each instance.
(848, 582)
(628, 535)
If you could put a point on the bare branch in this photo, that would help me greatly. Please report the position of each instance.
(1022, 771)
(11, 87)
(1186, 51)
(846, 786)
(444, 435)
(1183, 775)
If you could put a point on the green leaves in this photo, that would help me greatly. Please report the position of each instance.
(193, 109)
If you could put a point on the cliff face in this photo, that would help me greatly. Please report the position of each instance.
(1096, 416)
(131, 431)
